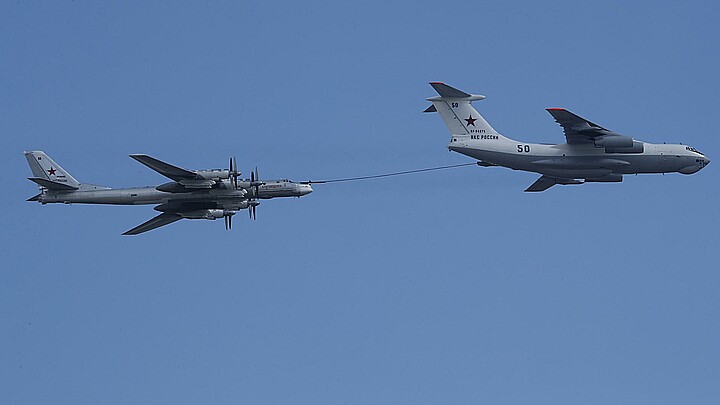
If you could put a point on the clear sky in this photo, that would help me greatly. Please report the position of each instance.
(444, 287)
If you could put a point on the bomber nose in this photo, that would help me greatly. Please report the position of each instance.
(305, 189)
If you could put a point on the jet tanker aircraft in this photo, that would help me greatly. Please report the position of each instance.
(591, 154)
(192, 194)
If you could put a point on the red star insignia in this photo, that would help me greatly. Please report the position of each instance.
(471, 120)
(52, 171)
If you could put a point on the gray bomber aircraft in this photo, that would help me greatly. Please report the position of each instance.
(192, 194)
(591, 154)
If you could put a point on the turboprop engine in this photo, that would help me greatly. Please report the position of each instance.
(619, 144)
(210, 214)
(214, 174)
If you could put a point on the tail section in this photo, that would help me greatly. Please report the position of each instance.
(48, 174)
(455, 108)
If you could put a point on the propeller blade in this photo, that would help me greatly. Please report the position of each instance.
(229, 222)
(232, 172)
(252, 208)
(226, 223)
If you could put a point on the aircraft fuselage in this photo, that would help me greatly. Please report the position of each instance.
(591, 153)
(579, 161)
(226, 196)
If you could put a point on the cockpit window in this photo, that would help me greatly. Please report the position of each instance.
(691, 149)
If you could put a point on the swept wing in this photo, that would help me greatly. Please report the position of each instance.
(166, 169)
(161, 220)
(172, 212)
(577, 129)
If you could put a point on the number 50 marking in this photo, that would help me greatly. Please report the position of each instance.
(523, 148)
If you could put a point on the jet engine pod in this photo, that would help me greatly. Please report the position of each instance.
(619, 144)
(614, 141)
(637, 147)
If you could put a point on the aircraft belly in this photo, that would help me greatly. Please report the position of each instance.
(587, 166)
(112, 197)
(580, 166)
(558, 166)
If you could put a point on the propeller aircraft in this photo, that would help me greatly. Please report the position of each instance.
(192, 194)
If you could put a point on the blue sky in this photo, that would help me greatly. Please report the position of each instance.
(444, 287)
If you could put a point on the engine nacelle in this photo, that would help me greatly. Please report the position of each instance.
(172, 187)
(614, 141)
(214, 174)
(210, 214)
(236, 206)
(201, 183)
(619, 144)
(637, 147)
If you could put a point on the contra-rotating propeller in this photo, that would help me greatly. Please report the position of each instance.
(227, 215)
(252, 208)
(233, 172)
(255, 184)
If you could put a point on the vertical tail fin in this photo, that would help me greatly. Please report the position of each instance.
(44, 168)
(455, 108)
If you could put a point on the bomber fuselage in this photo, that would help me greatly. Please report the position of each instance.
(224, 196)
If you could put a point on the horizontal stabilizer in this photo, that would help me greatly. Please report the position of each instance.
(166, 169)
(541, 184)
(52, 185)
(156, 222)
(448, 91)
(34, 198)
(545, 182)
(430, 109)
